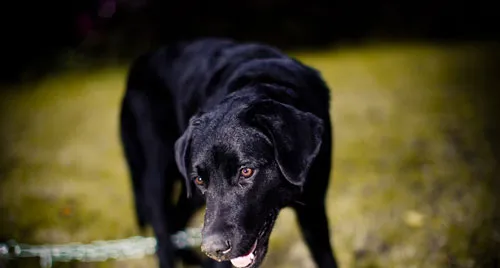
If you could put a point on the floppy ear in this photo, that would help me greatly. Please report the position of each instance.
(296, 137)
(182, 151)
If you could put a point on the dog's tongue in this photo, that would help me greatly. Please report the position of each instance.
(243, 261)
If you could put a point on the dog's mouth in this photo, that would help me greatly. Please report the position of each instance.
(248, 259)
(259, 248)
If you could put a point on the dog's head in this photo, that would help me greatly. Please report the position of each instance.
(248, 162)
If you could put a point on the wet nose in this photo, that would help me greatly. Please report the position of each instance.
(215, 246)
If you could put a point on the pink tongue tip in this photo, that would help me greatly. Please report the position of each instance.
(244, 261)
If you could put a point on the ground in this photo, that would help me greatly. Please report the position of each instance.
(413, 170)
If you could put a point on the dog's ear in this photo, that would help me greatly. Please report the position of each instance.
(296, 137)
(182, 155)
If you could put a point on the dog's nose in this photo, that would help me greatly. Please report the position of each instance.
(215, 246)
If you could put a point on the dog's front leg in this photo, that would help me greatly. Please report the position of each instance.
(158, 182)
(314, 227)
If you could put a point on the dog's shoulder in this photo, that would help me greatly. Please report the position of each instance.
(299, 81)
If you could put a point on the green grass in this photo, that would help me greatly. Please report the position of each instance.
(411, 183)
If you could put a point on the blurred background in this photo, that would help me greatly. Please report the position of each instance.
(414, 100)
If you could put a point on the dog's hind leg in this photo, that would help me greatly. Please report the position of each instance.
(134, 156)
(153, 195)
(148, 102)
(158, 181)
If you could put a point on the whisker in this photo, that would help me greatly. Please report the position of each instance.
(300, 203)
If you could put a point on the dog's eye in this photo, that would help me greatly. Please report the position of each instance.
(199, 181)
(246, 172)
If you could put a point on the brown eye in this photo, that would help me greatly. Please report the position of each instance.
(246, 172)
(199, 180)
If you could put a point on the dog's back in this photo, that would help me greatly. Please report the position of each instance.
(198, 74)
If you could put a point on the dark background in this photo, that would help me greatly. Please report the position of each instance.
(37, 31)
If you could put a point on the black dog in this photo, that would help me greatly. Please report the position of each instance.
(248, 128)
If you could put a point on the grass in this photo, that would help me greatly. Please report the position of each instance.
(411, 184)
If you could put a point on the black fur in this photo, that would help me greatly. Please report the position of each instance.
(208, 108)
